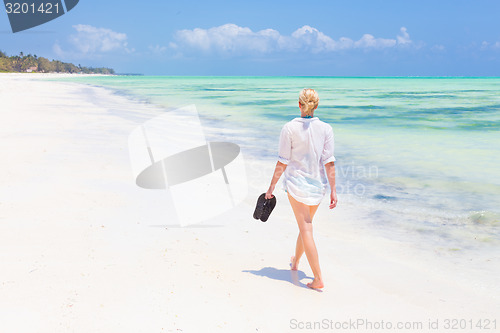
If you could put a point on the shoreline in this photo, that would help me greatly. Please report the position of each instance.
(260, 76)
(55, 75)
(78, 238)
(411, 205)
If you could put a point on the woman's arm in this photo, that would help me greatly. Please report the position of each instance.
(330, 173)
(278, 171)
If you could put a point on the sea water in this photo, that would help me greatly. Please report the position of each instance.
(418, 158)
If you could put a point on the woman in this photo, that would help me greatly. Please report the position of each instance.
(306, 145)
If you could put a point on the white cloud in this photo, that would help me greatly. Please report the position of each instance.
(487, 46)
(308, 39)
(93, 40)
(231, 39)
(157, 49)
(404, 38)
(368, 41)
(228, 38)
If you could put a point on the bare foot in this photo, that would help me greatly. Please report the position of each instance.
(293, 264)
(316, 284)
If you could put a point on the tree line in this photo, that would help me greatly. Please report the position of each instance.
(31, 63)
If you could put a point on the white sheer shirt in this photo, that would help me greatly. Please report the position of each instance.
(306, 145)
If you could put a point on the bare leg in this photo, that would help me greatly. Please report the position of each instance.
(303, 215)
(299, 248)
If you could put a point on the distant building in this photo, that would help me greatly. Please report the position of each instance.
(32, 69)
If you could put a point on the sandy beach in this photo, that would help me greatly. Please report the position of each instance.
(83, 249)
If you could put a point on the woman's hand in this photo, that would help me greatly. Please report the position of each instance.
(333, 199)
(280, 168)
(269, 193)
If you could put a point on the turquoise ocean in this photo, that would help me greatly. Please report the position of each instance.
(417, 158)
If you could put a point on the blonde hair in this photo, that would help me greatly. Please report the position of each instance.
(309, 100)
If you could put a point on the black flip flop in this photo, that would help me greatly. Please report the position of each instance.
(264, 207)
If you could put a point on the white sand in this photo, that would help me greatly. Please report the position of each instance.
(83, 249)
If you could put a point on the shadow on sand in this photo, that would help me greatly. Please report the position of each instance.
(287, 275)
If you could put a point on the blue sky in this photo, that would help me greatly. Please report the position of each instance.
(331, 38)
